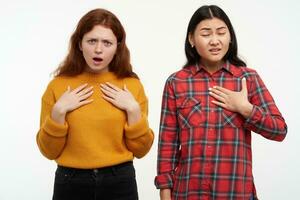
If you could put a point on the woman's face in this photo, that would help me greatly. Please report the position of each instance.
(211, 39)
(98, 48)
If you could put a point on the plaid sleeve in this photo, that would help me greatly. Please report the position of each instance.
(265, 118)
(168, 144)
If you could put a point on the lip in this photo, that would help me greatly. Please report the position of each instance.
(97, 60)
(215, 51)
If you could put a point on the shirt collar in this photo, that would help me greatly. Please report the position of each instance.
(226, 66)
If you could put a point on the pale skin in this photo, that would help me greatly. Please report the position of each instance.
(211, 39)
(100, 42)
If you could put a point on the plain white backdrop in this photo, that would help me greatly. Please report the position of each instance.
(34, 39)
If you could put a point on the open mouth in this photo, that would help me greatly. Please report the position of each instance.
(97, 59)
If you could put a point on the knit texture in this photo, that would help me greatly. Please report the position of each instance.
(97, 134)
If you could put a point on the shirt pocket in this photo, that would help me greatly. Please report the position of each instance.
(232, 119)
(189, 112)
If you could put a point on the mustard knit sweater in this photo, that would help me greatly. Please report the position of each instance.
(97, 134)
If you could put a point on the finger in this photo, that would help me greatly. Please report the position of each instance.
(79, 88)
(113, 86)
(82, 103)
(217, 92)
(109, 99)
(224, 90)
(85, 91)
(106, 88)
(85, 96)
(68, 89)
(218, 97)
(223, 105)
(108, 93)
(125, 88)
(244, 85)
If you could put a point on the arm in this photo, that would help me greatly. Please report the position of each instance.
(258, 107)
(168, 144)
(165, 194)
(51, 136)
(138, 136)
(265, 117)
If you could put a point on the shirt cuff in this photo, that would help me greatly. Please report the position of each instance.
(55, 129)
(138, 129)
(255, 116)
(163, 181)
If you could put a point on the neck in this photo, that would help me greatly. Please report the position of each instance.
(212, 67)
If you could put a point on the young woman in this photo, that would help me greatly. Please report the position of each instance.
(209, 109)
(94, 115)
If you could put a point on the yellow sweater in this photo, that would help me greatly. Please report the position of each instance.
(97, 134)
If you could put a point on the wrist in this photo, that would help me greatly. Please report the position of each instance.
(246, 110)
(58, 110)
(58, 114)
(133, 108)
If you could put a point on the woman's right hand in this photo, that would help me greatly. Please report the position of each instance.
(165, 194)
(71, 100)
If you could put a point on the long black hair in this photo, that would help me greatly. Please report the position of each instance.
(208, 12)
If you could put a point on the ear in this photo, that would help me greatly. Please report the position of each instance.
(79, 45)
(191, 40)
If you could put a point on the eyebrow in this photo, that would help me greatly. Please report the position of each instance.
(208, 29)
(99, 39)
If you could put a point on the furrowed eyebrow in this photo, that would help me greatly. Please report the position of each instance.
(92, 38)
(106, 40)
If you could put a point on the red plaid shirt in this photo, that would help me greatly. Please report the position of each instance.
(204, 150)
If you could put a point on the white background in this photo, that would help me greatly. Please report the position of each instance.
(34, 38)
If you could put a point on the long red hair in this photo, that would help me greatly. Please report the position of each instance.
(74, 63)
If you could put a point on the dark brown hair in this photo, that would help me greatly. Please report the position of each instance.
(209, 12)
(74, 63)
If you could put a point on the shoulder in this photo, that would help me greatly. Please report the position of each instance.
(59, 81)
(56, 87)
(243, 71)
(134, 85)
(132, 82)
(181, 74)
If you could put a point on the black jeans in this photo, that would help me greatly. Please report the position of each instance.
(110, 183)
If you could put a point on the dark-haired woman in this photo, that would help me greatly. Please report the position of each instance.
(209, 109)
(94, 115)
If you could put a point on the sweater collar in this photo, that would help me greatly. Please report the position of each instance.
(98, 77)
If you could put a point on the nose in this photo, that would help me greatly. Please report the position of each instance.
(214, 40)
(98, 48)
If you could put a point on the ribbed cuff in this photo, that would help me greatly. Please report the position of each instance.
(55, 129)
(138, 129)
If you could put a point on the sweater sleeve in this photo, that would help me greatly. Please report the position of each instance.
(51, 137)
(265, 118)
(139, 137)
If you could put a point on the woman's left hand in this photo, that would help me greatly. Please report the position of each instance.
(231, 100)
(121, 98)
